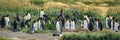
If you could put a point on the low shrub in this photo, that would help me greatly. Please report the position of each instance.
(49, 26)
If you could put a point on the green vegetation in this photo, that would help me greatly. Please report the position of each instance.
(92, 36)
(49, 27)
(4, 38)
(13, 7)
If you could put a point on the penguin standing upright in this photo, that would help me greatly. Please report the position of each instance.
(113, 23)
(22, 23)
(42, 13)
(35, 25)
(74, 18)
(33, 28)
(15, 28)
(99, 25)
(116, 26)
(3, 22)
(87, 17)
(62, 18)
(82, 21)
(17, 17)
(108, 22)
(25, 19)
(39, 24)
(85, 24)
(58, 28)
(45, 18)
(67, 24)
(91, 23)
(7, 20)
(73, 24)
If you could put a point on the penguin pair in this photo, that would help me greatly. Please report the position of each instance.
(27, 19)
(37, 25)
(62, 18)
(41, 23)
(113, 23)
(34, 27)
(70, 24)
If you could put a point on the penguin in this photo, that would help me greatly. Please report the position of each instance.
(27, 19)
(67, 24)
(62, 18)
(3, 22)
(58, 28)
(35, 25)
(99, 25)
(28, 16)
(82, 22)
(74, 18)
(91, 23)
(33, 28)
(116, 26)
(87, 17)
(15, 25)
(18, 17)
(22, 23)
(45, 18)
(85, 24)
(91, 26)
(42, 13)
(113, 23)
(41, 24)
(108, 22)
(7, 20)
(73, 24)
